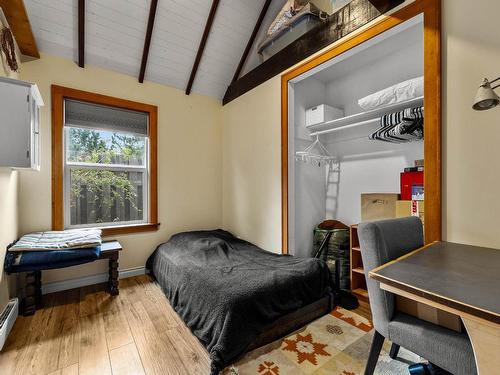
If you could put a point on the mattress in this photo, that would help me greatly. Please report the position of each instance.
(227, 290)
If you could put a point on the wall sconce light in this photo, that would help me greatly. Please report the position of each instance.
(486, 98)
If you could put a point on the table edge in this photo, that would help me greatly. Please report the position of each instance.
(433, 297)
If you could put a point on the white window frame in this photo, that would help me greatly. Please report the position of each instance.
(68, 166)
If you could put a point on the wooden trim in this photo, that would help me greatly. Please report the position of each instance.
(18, 20)
(432, 79)
(201, 47)
(284, 166)
(147, 40)
(432, 124)
(81, 33)
(57, 158)
(127, 229)
(251, 40)
(377, 269)
(59, 93)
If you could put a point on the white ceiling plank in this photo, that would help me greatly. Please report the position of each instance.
(115, 31)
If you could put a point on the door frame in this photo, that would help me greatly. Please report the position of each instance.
(431, 10)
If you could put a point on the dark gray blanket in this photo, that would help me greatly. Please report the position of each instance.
(227, 290)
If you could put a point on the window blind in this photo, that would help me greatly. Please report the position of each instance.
(96, 116)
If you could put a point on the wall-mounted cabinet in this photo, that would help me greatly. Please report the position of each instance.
(20, 104)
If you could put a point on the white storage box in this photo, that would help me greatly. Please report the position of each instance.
(322, 113)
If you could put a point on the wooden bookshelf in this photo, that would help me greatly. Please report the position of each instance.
(358, 281)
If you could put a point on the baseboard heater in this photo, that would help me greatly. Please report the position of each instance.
(7, 320)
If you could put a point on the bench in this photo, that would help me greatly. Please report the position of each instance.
(33, 290)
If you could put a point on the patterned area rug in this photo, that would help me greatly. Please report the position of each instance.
(336, 344)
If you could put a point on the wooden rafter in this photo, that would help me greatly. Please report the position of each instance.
(344, 21)
(251, 40)
(147, 40)
(81, 33)
(18, 20)
(385, 5)
(201, 47)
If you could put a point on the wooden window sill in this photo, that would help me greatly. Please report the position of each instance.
(128, 229)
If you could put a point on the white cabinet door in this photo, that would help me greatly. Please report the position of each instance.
(15, 129)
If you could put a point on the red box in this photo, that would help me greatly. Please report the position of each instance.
(408, 179)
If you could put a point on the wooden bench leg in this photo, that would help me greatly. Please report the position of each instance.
(38, 289)
(33, 292)
(113, 275)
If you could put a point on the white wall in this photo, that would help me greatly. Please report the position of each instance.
(8, 205)
(471, 51)
(308, 193)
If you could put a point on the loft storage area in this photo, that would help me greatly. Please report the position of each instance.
(385, 75)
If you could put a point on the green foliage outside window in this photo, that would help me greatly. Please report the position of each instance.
(104, 192)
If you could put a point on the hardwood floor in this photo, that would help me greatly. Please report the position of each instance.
(86, 331)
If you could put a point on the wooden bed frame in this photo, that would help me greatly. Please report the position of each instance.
(294, 321)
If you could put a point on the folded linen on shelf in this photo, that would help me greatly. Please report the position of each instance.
(402, 126)
(59, 240)
(400, 92)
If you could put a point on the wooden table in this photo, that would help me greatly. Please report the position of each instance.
(461, 279)
(33, 289)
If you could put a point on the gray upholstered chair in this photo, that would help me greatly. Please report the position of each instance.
(381, 242)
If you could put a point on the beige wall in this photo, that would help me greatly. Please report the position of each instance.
(189, 158)
(8, 205)
(471, 151)
(252, 166)
(8, 224)
(471, 50)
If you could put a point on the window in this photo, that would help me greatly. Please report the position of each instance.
(104, 163)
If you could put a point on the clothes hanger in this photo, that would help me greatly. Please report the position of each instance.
(316, 154)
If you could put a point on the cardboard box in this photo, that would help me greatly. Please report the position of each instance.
(410, 208)
(378, 206)
(429, 314)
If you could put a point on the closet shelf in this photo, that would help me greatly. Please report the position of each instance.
(363, 118)
(359, 270)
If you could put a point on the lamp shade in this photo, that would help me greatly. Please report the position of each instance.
(485, 98)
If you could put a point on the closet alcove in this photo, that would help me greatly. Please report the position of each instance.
(394, 49)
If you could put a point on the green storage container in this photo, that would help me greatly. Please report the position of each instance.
(337, 249)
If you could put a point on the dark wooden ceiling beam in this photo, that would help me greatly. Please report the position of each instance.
(19, 23)
(201, 47)
(81, 33)
(251, 40)
(344, 21)
(385, 5)
(147, 40)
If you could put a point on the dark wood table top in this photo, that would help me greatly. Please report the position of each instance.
(463, 277)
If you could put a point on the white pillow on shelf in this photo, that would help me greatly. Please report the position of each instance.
(400, 92)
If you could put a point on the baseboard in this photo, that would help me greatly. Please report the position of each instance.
(58, 286)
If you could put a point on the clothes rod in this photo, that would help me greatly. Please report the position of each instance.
(375, 120)
(361, 123)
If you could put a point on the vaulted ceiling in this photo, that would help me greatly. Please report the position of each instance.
(115, 33)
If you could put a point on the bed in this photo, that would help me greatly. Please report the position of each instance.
(235, 296)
